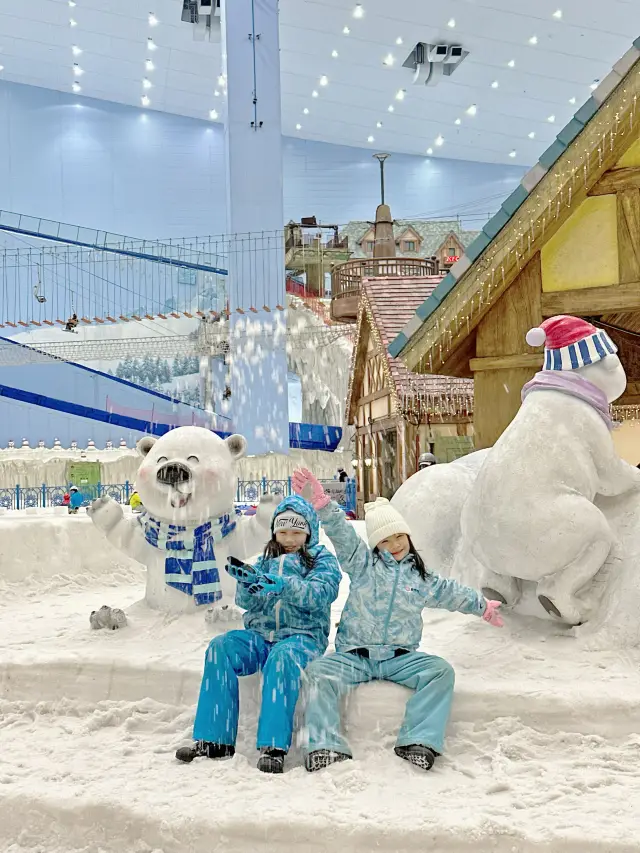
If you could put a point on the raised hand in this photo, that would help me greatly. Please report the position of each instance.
(242, 572)
(308, 487)
(492, 614)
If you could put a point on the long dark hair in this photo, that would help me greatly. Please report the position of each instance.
(274, 550)
(418, 562)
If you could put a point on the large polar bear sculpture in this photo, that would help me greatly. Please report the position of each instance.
(542, 510)
(187, 479)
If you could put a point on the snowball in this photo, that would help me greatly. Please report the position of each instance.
(536, 337)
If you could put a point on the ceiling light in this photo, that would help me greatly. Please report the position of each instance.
(594, 85)
(346, 31)
(153, 21)
(451, 22)
(1, 67)
(532, 135)
(334, 53)
(551, 119)
(306, 111)
(429, 151)
(145, 100)
(533, 40)
(370, 139)
(151, 45)
(389, 59)
(458, 121)
(511, 63)
(572, 100)
(399, 40)
(558, 14)
(314, 94)
(72, 3)
(472, 110)
(358, 12)
(324, 80)
(72, 23)
(76, 87)
(221, 80)
(75, 50)
(213, 114)
(378, 124)
(400, 95)
(149, 65)
(495, 84)
(146, 83)
(439, 140)
(298, 127)
(216, 94)
(77, 70)
(390, 108)
(512, 153)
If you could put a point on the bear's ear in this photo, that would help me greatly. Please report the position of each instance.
(237, 445)
(145, 444)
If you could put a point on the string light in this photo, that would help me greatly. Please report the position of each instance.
(511, 250)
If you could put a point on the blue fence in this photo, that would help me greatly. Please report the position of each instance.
(248, 491)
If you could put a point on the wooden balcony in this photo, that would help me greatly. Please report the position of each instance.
(346, 280)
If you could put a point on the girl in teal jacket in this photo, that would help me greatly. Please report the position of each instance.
(380, 630)
(287, 596)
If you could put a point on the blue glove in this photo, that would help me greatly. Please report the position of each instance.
(242, 572)
(267, 585)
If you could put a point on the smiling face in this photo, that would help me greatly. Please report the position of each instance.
(188, 476)
(397, 545)
(291, 540)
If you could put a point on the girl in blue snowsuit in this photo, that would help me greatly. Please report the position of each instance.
(288, 597)
(380, 630)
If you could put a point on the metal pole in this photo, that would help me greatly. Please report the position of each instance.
(381, 158)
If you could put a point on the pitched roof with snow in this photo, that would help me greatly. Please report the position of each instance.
(519, 225)
(432, 235)
(387, 303)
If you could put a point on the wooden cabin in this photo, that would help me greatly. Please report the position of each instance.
(566, 241)
(399, 414)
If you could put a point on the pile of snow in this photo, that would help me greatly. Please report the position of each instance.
(542, 751)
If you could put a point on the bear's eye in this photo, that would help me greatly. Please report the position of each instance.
(162, 459)
(193, 459)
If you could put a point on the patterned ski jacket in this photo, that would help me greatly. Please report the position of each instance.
(386, 598)
(304, 606)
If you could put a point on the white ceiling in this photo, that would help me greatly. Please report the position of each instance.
(36, 48)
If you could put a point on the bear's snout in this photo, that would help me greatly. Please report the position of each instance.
(173, 474)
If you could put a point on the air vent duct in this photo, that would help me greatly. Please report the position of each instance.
(430, 63)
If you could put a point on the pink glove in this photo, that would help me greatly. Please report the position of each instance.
(304, 482)
(492, 614)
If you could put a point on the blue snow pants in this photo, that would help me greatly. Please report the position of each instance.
(427, 712)
(244, 653)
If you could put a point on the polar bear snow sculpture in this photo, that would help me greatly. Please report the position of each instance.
(187, 478)
(532, 509)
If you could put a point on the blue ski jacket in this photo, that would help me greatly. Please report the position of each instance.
(304, 606)
(386, 598)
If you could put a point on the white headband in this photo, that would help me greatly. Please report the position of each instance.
(290, 520)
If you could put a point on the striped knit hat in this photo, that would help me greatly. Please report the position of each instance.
(570, 343)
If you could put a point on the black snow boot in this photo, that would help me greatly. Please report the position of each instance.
(202, 749)
(416, 753)
(272, 760)
(322, 758)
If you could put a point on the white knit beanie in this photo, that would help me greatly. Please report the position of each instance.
(382, 520)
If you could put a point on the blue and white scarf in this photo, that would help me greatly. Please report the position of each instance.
(190, 565)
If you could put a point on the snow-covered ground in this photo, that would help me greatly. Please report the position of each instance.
(543, 750)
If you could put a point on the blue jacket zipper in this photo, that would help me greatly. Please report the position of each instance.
(391, 602)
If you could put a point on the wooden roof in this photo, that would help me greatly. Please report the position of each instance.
(443, 326)
(387, 304)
